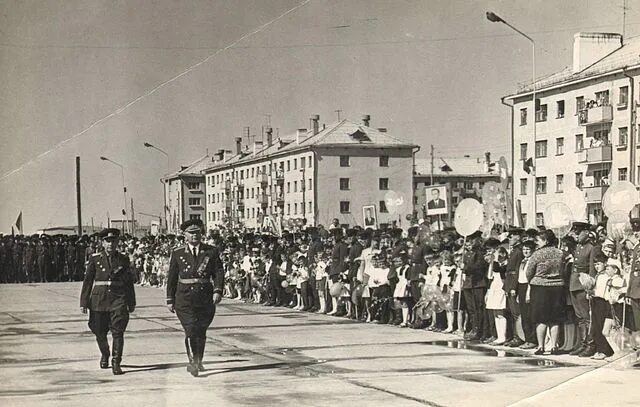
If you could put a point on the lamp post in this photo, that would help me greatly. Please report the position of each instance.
(494, 18)
(124, 191)
(164, 187)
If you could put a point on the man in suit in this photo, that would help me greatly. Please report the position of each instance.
(108, 294)
(436, 202)
(194, 286)
(369, 220)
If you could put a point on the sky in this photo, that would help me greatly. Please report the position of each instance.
(95, 78)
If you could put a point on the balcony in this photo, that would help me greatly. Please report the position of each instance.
(228, 203)
(595, 115)
(280, 177)
(594, 194)
(240, 202)
(263, 178)
(227, 184)
(595, 155)
(262, 199)
(239, 182)
(280, 200)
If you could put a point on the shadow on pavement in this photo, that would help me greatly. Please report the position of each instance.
(165, 366)
(265, 366)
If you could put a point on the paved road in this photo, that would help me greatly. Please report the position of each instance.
(263, 356)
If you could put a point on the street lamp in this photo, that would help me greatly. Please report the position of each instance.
(494, 18)
(164, 187)
(124, 191)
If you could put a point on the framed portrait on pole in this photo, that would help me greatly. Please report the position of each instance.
(370, 217)
(437, 200)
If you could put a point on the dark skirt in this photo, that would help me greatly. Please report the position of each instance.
(548, 305)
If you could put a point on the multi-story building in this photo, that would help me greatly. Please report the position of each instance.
(313, 175)
(463, 177)
(184, 194)
(583, 134)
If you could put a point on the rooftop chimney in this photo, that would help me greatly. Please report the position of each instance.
(487, 161)
(382, 129)
(269, 132)
(366, 119)
(315, 119)
(301, 132)
(238, 145)
(588, 48)
(257, 146)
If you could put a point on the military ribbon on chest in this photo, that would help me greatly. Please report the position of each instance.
(203, 266)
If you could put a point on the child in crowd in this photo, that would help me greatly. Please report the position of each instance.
(459, 305)
(602, 299)
(431, 280)
(448, 273)
(321, 280)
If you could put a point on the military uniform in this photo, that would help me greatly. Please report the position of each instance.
(108, 293)
(192, 280)
(633, 287)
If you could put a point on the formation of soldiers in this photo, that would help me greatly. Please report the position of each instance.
(44, 258)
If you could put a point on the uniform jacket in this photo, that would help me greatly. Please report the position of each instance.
(633, 285)
(582, 263)
(475, 270)
(513, 267)
(338, 256)
(108, 297)
(183, 265)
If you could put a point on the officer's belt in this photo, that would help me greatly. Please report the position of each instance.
(193, 280)
(109, 283)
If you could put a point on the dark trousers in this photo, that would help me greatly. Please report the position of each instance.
(512, 314)
(583, 317)
(600, 310)
(275, 289)
(474, 298)
(632, 315)
(525, 313)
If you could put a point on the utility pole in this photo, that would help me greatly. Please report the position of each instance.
(431, 164)
(78, 198)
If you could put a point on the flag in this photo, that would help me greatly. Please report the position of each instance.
(13, 232)
(528, 167)
(19, 223)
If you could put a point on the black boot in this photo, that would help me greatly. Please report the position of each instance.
(189, 355)
(202, 342)
(118, 346)
(195, 348)
(581, 342)
(103, 345)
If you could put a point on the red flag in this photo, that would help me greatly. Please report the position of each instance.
(19, 223)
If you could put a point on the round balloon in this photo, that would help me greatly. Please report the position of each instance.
(284, 284)
(618, 225)
(395, 202)
(468, 216)
(620, 196)
(336, 289)
(558, 217)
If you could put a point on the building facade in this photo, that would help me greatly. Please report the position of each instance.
(184, 194)
(311, 176)
(583, 134)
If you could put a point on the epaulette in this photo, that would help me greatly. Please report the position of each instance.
(184, 246)
(95, 254)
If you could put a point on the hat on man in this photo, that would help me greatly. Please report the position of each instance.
(110, 233)
(635, 224)
(514, 231)
(192, 225)
(580, 226)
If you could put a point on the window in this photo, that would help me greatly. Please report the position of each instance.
(579, 142)
(242, 174)
(523, 186)
(638, 172)
(579, 104)
(310, 161)
(560, 183)
(623, 96)
(541, 185)
(539, 219)
(253, 212)
(295, 208)
(524, 218)
(523, 116)
(195, 216)
(601, 135)
(541, 113)
(600, 177)
(560, 108)
(480, 184)
(295, 163)
(310, 187)
(288, 187)
(344, 161)
(310, 207)
(454, 200)
(295, 186)
(193, 186)
(302, 162)
(579, 180)
(194, 201)
(288, 209)
(523, 151)
(622, 174)
(344, 184)
(468, 185)
(541, 149)
(288, 165)
(344, 207)
(602, 98)
(560, 146)
(383, 184)
(384, 160)
(253, 172)
(623, 136)
(383, 207)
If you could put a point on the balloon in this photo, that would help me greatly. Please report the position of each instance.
(558, 217)
(336, 289)
(618, 225)
(395, 202)
(468, 216)
(487, 227)
(284, 284)
(490, 190)
(620, 196)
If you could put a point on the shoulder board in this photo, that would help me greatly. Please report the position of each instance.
(175, 249)
(96, 254)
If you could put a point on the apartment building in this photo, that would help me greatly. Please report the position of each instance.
(583, 134)
(313, 175)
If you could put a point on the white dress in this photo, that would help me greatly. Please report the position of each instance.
(401, 287)
(496, 298)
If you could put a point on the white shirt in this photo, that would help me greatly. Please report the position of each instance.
(195, 250)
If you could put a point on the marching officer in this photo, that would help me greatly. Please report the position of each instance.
(108, 294)
(194, 287)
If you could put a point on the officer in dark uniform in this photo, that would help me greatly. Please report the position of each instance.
(633, 285)
(108, 294)
(194, 286)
